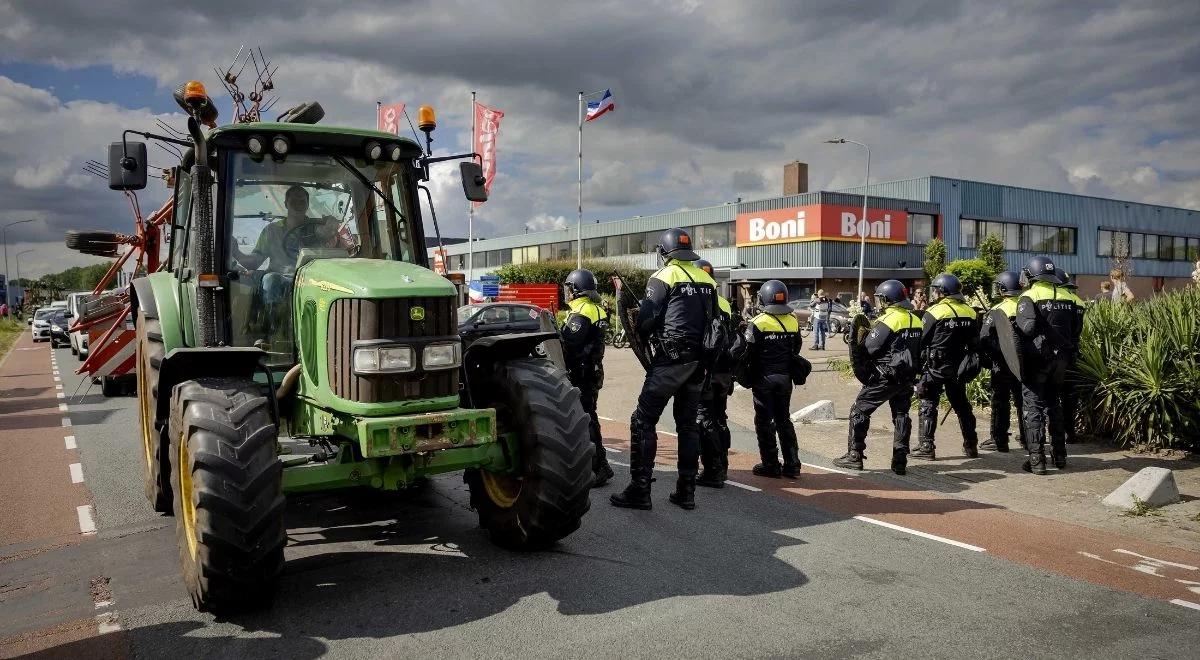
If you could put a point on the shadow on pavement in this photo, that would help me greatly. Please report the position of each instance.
(35, 421)
(22, 392)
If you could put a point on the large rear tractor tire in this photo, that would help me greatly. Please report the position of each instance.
(228, 493)
(545, 498)
(155, 442)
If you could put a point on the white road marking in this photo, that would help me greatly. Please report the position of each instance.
(669, 433)
(57, 379)
(62, 407)
(69, 441)
(103, 604)
(66, 421)
(58, 387)
(959, 544)
(87, 524)
(828, 469)
(619, 463)
(607, 419)
(76, 473)
(615, 451)
(1185, 603)
(743, 486)
(107, 623)
(61, 395)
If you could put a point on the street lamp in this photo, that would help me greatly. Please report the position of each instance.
(4, 239)
(18, 260)
(862, 227)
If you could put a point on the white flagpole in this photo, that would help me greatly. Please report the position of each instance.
(471, 210)
(579, 219)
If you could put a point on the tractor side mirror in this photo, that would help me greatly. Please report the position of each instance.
(473, 181)
(127, 166)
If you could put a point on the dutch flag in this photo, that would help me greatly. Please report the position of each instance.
(596, 109)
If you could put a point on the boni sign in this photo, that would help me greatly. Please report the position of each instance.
(821, 222)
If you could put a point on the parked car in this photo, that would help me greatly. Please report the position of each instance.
(59, 324)
(504, 318)
(839, 315)
(40, 322)
(79, 340)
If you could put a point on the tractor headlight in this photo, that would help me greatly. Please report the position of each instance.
(280, 145)
(383, 360)
(395, 152)
(440, 356)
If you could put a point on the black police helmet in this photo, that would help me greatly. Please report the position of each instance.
(946, 285)
(677, 244)
(1040, 269)
(706, 266)
(890, 292)
(580, 282)
(773, 297)
(1064, 279)
(1008, 283)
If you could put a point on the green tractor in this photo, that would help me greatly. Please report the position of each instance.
(297, 341)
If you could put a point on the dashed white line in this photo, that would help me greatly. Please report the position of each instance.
(58, 387)
(76, 473)
(107, 623)
(62, 407)
(743, 486)
(619, 463)
(69, 441)
(61, 395)
(1185, 603)
(828, 469)
(57, 379)
(66, 421)
(101, 604)
(932, 537)
(87, 524)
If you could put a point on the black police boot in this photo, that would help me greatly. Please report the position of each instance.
(635, 496)
(685, 493)
(791, 459)
(711, 478)
(970, 451)
(602, 472)
(924, 450)
(1036, 463)
(851, 460)
(989, 445)
(641, 472)
(768, 470)
(1058, 453)
(899, 461)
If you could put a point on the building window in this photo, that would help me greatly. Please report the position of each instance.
(1146, 246)
(1166, 248)
(480, 259)
(922, 228)
(1149, 247)
(506, 257)
(967, 237)
(715, 236)
(594, 247)
(493, 258)
(614, 245)
(1193, 249)
(546, 252)
(564, 251)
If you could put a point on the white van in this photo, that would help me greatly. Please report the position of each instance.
(79, 340)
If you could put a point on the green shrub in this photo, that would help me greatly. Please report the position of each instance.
(1138, 372)
(991, 252)
(935, 258)
(974, 274)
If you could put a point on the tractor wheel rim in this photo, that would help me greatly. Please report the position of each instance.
(187, 505)
(501, 489)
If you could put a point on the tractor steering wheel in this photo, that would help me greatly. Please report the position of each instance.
(293, 240)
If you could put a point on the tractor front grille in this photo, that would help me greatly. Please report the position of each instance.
(355, 319)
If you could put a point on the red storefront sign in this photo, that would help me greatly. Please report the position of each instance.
(821, 222)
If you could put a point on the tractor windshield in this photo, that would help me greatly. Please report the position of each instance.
(282, 214)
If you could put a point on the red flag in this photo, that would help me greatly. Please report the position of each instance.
(389, 118)
(487, 126)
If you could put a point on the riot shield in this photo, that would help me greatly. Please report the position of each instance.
(1010, 343)
(860, 327)
(628, 305)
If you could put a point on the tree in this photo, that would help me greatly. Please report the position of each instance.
(935, 258)
(974, 275)
(991, 252)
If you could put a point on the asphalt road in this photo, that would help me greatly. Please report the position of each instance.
(780, 569)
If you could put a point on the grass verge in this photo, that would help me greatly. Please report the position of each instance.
(10, 330)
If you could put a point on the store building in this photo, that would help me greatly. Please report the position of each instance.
(810, 240)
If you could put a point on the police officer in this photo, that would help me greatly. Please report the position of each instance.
(711, 414)
(1005, 386)
(1065, 425)
(949, 339)
(680, 302)
(889, 359)
(1047, 320)
(773, 352)
(582, 333)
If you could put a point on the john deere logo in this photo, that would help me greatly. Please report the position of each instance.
(416, 313)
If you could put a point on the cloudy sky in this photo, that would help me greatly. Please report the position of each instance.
(713, 97)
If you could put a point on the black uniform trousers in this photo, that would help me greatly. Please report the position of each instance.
(589, 393)
(1042, 406)
(772, 416)
(713, 419)
(1069, 398)
(664, 381)
(930, 394)
(1005, 389)
(898, 396)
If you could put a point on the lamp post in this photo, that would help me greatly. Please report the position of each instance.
(18, 260)
(4, 239)
(862, 226)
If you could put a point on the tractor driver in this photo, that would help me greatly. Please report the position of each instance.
(281, 240)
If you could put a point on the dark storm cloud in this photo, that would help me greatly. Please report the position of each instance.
(711, 96)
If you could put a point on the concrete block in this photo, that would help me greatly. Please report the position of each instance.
(821, 411)
(1153, 485)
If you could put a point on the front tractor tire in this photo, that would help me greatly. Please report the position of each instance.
(546, 496)
(228, 493)
(155, 443)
